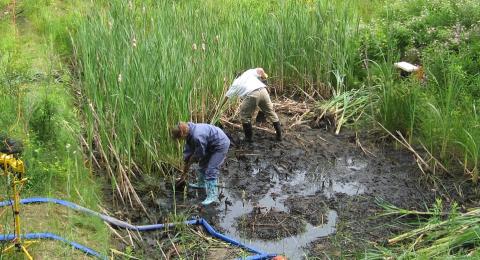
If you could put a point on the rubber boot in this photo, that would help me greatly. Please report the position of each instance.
(212, 194)
(278, 130)
(200, 184)
(247, 129)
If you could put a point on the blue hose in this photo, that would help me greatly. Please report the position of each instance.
(258, 257)
(33, 236)
(119, 223)
(113, 221)
(214, 233)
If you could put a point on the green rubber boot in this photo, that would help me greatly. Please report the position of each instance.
(200, 184)
(212, 194)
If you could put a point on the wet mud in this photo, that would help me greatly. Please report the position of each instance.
(269, 225)
(314, 194)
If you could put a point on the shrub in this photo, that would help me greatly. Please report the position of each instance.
(42, 121)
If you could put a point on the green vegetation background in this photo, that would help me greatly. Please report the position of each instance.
(118, 73)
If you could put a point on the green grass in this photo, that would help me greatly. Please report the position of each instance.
(38, 108)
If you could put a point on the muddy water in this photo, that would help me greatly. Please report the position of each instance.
(290, 246)
(268, 182)
(292, 197)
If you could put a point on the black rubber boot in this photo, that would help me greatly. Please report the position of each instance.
(247, 129)
(278, 130)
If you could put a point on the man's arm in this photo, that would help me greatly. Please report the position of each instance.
(187, 159)
(186, 166)
(187, 152)
(200, 148)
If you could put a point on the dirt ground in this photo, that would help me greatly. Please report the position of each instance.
(315, 194)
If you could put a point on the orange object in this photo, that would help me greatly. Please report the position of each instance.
(420, 73)
(279, 257)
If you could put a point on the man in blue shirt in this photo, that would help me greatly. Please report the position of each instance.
(208, 145)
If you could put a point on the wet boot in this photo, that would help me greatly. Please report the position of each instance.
(200, 184)
(212, 194)
(247, 129)
(278, 130)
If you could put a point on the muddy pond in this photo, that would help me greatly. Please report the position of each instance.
(315, 194)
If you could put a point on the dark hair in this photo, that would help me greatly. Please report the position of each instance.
(175, 133)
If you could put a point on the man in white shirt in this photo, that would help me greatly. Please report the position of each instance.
(253, 91)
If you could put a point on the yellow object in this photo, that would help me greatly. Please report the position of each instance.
(9, 162)
(15, 167)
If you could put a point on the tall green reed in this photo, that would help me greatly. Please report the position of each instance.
(444, 116)
(146, 66)
(469, 141)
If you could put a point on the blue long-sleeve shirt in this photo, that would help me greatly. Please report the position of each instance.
(204, 139)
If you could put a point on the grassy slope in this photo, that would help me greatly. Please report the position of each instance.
(38, 108)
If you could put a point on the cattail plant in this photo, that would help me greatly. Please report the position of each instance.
(144, 69)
